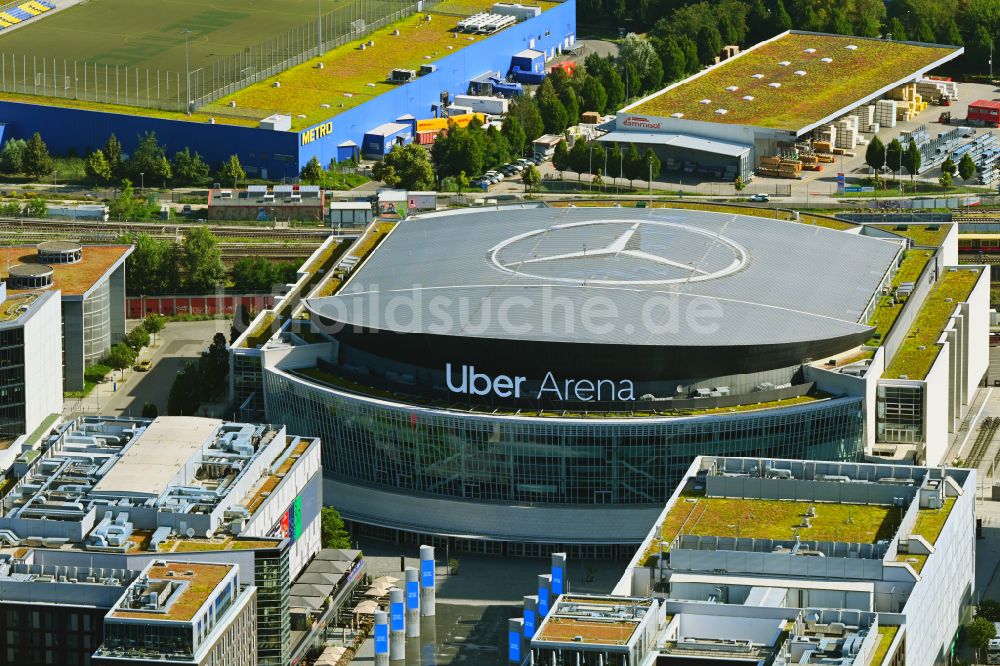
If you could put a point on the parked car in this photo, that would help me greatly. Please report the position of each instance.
(143, 366)
(759, 197)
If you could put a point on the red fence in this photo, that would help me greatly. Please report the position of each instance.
(138, 307)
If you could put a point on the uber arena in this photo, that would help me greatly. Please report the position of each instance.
(526, 378)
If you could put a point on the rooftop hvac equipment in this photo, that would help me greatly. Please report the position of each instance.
(402, 75)
(826, 59)
(851, 47)
(784, 63)
(705, 101)
(427, 69)
(732, 88)
(756, 76)
(809, 51)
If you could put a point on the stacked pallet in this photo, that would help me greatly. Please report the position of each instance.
(827, 134)
(885, 113)
(811, 163)
(847, 132)
(823, 151)
(777, 167)
(931, 88)
(908, 101)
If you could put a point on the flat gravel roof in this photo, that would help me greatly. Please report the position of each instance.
(514, 273)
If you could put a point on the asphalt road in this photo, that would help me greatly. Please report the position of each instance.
(175, 345)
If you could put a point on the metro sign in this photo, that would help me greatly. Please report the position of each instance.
(641, 122)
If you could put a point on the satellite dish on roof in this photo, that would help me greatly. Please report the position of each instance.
(189, 532)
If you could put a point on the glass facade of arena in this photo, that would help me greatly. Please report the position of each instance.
(545, 460)
(97, 324)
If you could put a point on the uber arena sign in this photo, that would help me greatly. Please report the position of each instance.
(469, 382)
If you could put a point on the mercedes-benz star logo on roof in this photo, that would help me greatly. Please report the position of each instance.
(619, 252)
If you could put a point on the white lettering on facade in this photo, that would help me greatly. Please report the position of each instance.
(470, 382)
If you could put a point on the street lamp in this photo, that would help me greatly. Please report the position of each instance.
(142, 183)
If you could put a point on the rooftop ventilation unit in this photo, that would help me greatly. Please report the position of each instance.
(748, 98)
(676, 115)
(826, 60)
(800, 72)
(721, 112)
(784, 63)
(705, 101)
(756, 76)
(732, 88)
(851, 47)
(810, 51)
(774, 84)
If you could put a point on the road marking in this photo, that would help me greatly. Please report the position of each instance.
(972, 425)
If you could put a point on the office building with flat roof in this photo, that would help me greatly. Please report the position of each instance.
(91, 283)
(794, 562)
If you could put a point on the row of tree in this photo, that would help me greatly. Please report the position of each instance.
(591, 157)
(123, 354)
(29, 157)
(149, 161)
(201, 381)
(896, 157)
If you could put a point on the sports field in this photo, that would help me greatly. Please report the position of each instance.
(133, 33)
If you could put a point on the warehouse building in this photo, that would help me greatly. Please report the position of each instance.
(299, 203)
(723, 120)
(91, 284)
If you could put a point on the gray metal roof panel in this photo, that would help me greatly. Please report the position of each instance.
(505, 273)
(687, 141)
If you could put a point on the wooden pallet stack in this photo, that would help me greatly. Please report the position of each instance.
(778, 167)
(931, 88)
(885, 113)
(908, 101)
(823, 151)
(847, 132)
(811, 163)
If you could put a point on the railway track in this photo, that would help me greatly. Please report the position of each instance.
(80, 228)
(987, 431)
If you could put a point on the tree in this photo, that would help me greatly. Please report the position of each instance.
(980, 632)
(579, 158)
(894, 156)
(461, 181)
(709, 44)
(966, 168)
(638, 51)
(739, 184)
(149, 410)
(560, 158)
(514, 133)
(597, 157)
(652, 163)
(36, 208)
(912, 159)
(949, 166)
(120, 356)
(531, 178)
(137, 338)
(113, 154)
(635, 166)
(615, 88)
(554, 116)
(213, 366)
(127, 206)
(989, 609)
(10, 209)
(946, 179)
(875, 156)
(188, 168)
(97, 167)
(616, 161)
(593, 95)
(147, 161)
(154, 323)
(253, 274)
(37, 161)
(203, 260)
(782, 21)
(12, 156)
(152, 268)
(406, 167)
(333, 534)
(185, 393)
(525, 110)
(312, 172)
(231, 171)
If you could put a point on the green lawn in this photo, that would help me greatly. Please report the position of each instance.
(911, 360)
(886, 312)
(91, 377)
(927, 235)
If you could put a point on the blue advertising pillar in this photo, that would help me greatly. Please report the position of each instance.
(558, 574)
(516, 652)
(412, 602)
(427, 581)
(544, 595)
(530, 616)
(381, 638)
(397, 625)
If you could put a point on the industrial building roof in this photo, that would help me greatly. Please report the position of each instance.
(72, 279)
(795, 80)
(684, 141)
(188, 585)
(156, 456)
(498, 273)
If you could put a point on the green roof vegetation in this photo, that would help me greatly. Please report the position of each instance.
(927, 235)
(886, 635)
(43, 428)
(888, 308)
(824, 89)
(351, 76)
(930, 522)
(917, 353)
(11, 308)
(695, 514)
(915, 560)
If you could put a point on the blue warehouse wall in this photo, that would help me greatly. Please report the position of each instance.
(453, 74)
(64, 128)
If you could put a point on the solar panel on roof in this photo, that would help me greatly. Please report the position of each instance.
(256, 188)
(284, 188)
